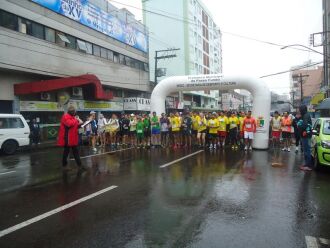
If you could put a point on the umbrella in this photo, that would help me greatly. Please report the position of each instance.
(325, 104)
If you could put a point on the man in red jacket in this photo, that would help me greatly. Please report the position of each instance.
(68, 136)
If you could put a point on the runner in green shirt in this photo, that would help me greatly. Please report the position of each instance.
(140, 132)
(155, 130)
(147, 132)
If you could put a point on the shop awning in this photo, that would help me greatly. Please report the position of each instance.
(325, 104)
(57, 84)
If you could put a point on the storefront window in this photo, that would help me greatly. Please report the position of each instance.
(8, 20)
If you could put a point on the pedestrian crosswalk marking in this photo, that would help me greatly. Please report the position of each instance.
(55, 211)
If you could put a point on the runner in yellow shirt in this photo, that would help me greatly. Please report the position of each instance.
(241, 131)
(223, 128)
(176, 126)
(201, 131)
(213, 124)
(194, 120)
(233, 129)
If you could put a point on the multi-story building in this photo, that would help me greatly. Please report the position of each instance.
(54, 53)
(189, 26)
(305, 84)
(326, 44)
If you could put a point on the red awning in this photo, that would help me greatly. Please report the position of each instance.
(57, 84)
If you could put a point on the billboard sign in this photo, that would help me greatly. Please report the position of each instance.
(92, 16)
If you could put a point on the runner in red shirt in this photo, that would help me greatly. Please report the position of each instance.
(249, 128)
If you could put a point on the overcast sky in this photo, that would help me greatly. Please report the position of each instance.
(278, 21)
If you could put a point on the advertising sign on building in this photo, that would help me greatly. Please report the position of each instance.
(80, 105)
(39, 106)
(92, 16)
(137, 103)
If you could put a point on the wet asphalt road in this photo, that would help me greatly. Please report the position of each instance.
(211, 199)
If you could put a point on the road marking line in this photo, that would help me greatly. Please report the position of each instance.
(311, 242)
(99, 154)
(324, 241)
(8, 172)
(180, 159)
(55, 211)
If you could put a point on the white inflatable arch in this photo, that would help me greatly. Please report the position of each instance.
(259, 90)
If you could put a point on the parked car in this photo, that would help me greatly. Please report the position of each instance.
(14, 132)
(321, 142)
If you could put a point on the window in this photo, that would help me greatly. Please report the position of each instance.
(89, 48)
(128, 61)
(38, 30)
(122, 59)
(72, 42)
(146, 67)
(50, 34)
(61, 39)
(81, 45)
(96, 50)
(104, 53)
(8, 20)
(110, 55)
(326, 127)
(6, 123)
(24, 26)
(115, 57)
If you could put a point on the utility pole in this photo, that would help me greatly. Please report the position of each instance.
(292, 93)
(300, 77)
(167, 56)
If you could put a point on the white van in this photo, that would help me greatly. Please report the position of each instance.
(14, 132)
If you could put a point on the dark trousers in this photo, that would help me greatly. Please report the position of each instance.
(66, 153)
(306, 144)
(297, 137)
(233, 136)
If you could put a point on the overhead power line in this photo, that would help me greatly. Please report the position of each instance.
(189, 21)
(297, 68)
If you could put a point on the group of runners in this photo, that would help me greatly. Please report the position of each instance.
(177, 130)
(283, 128)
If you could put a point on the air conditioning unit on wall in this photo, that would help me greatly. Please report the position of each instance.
(45, 96)
(77, 91)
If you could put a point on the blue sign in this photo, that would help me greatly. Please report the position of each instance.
(92, 16)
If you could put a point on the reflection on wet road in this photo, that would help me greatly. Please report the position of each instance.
(199, 199)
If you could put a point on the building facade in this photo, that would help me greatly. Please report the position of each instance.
(189, 26)
(305, 85)
(88, 53)
(326, 44)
